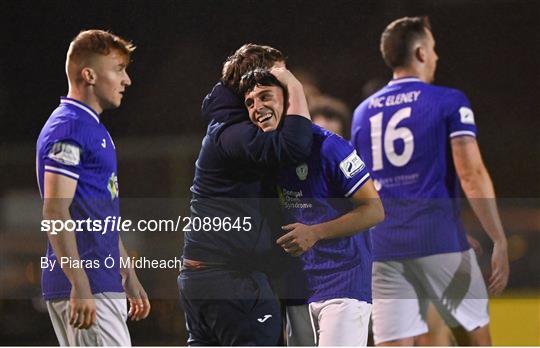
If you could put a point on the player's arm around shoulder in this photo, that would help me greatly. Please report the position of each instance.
(295, 137)
(58, 194)
(297, 104)
(288, 145)
(478, 188)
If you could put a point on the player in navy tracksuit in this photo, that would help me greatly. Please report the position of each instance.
(226, 296)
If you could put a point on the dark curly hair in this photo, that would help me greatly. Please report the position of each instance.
(262, 77)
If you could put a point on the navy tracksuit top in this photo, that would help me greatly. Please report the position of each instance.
(235, 162)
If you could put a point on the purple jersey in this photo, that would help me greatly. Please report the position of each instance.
(74, 143)
(317, 191)
(403, 133)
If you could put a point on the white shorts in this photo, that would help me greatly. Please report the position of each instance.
(335, 322)
(110, 328)
(403, 289)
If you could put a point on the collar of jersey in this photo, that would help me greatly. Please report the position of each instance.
(404, 80)
(80, 105)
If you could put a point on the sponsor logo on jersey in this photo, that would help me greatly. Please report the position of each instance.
(351, 165)
(467, 115)
(65, 153)
(112, 186)
(302, 171)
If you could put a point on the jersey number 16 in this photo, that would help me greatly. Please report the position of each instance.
(391, 134)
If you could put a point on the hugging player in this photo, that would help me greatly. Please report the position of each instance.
(224, 286)
(329, 200)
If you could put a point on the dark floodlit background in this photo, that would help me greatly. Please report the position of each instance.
(488, 49)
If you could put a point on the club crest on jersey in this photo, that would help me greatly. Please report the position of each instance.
(112, 186)
(302, 171)
(65, 153)
(466, 115)
(351, 165)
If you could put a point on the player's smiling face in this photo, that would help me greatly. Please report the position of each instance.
(111, 79)
(265, 106)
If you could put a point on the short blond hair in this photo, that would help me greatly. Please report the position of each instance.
(97, 42)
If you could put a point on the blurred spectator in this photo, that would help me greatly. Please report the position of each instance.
(309, 82)
(372, 86)
(331, 113)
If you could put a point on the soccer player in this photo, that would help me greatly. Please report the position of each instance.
(224, 288)
(330, 198)
(419, 142)
(84, 287)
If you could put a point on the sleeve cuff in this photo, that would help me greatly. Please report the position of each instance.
(462, 133)
(357, 185)
(61, 171)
